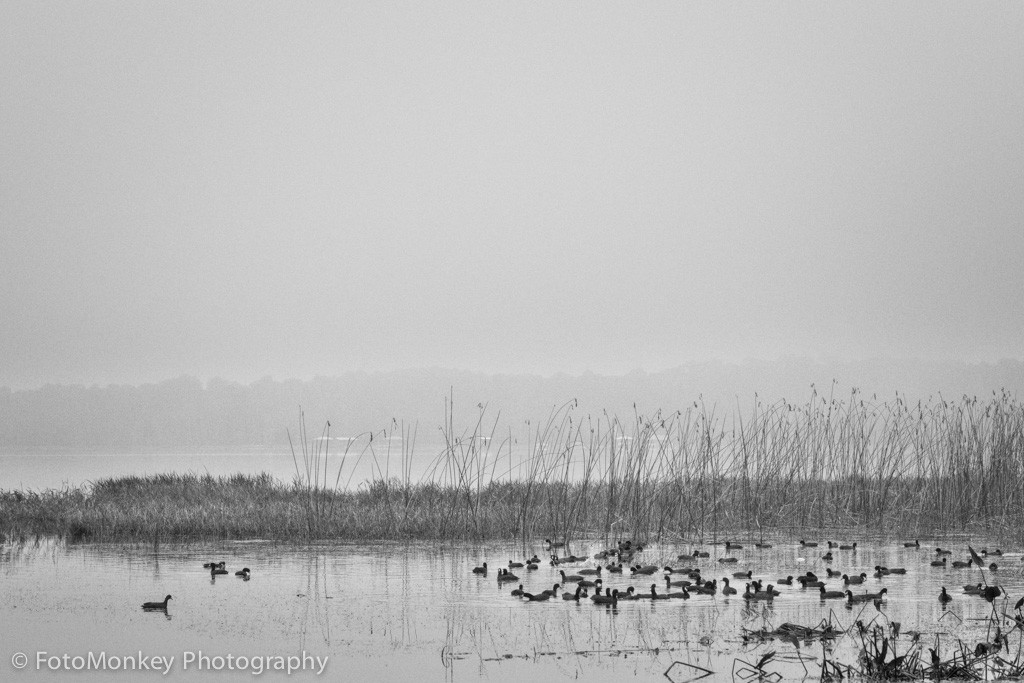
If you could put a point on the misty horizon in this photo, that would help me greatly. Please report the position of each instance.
(188, 415)
(293, 191)
(812, 369)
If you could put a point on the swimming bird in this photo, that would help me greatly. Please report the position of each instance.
(806, 544)
(732, 546)
(973, 590)
(543, 595)
(557, 544)
(700, 553)
(531, 567)
(940, 551)
(914, 544)
(553, 591)
(990, 593)
(768, 594)
(574, 596)
(648, 569)
(480, 570)
(506, 575)
(612, 599)
(586, 583)
(944, 597)
(827, 556)
(727, 590)
(630, 594)
(830, 595)
(515, 565)
(997, 551)
(938, 563)
(156, 605)
(832, 544)
(615, 568)
(788, 581)
(244, 572)
(213, 565)
(217, 571)
(539, 597)
(682, 595)
(852, 546)
(855, 579)
(591, 572)
(518, 592)
(833, 573)
(960, 564)
(655, 595)
(743, 575)
(864, 597)
(570, 578)
(897, 570)
(728, 560)
(763, 545)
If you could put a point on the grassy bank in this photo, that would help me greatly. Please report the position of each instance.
(886, 467)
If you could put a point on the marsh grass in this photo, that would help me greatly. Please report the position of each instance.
(886, 654)
(889, 468)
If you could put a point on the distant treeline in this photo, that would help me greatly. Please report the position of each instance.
(188, 415)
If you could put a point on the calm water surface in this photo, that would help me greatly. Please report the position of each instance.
(415, 611)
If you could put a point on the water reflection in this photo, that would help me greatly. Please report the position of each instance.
(402, 611)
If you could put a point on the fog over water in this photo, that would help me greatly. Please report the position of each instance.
(293, 190)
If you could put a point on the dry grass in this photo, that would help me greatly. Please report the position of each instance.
(887, 467)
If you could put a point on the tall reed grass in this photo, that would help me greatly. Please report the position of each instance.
(887, 467)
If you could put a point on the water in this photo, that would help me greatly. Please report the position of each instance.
(42, 471)
(397, 611)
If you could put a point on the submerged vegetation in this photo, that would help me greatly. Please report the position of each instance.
(888, 467)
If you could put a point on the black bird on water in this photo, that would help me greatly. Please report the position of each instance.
(156, 605)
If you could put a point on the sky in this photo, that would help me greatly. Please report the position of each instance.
(290, 189)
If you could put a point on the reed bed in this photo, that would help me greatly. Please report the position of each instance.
(887, 467)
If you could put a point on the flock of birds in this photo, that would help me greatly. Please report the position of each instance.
(216, 569)
(590, 582)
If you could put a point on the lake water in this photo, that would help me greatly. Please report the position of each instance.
(400, 611)
(43, 471)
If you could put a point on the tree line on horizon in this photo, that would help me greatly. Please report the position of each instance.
(188, 415)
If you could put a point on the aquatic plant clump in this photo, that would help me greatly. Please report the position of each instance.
(889, 468)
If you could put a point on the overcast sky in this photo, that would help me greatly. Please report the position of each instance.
(288, 189)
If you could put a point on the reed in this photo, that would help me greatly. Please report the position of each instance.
(889, 468)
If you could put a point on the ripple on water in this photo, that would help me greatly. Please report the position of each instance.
(415, 610)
